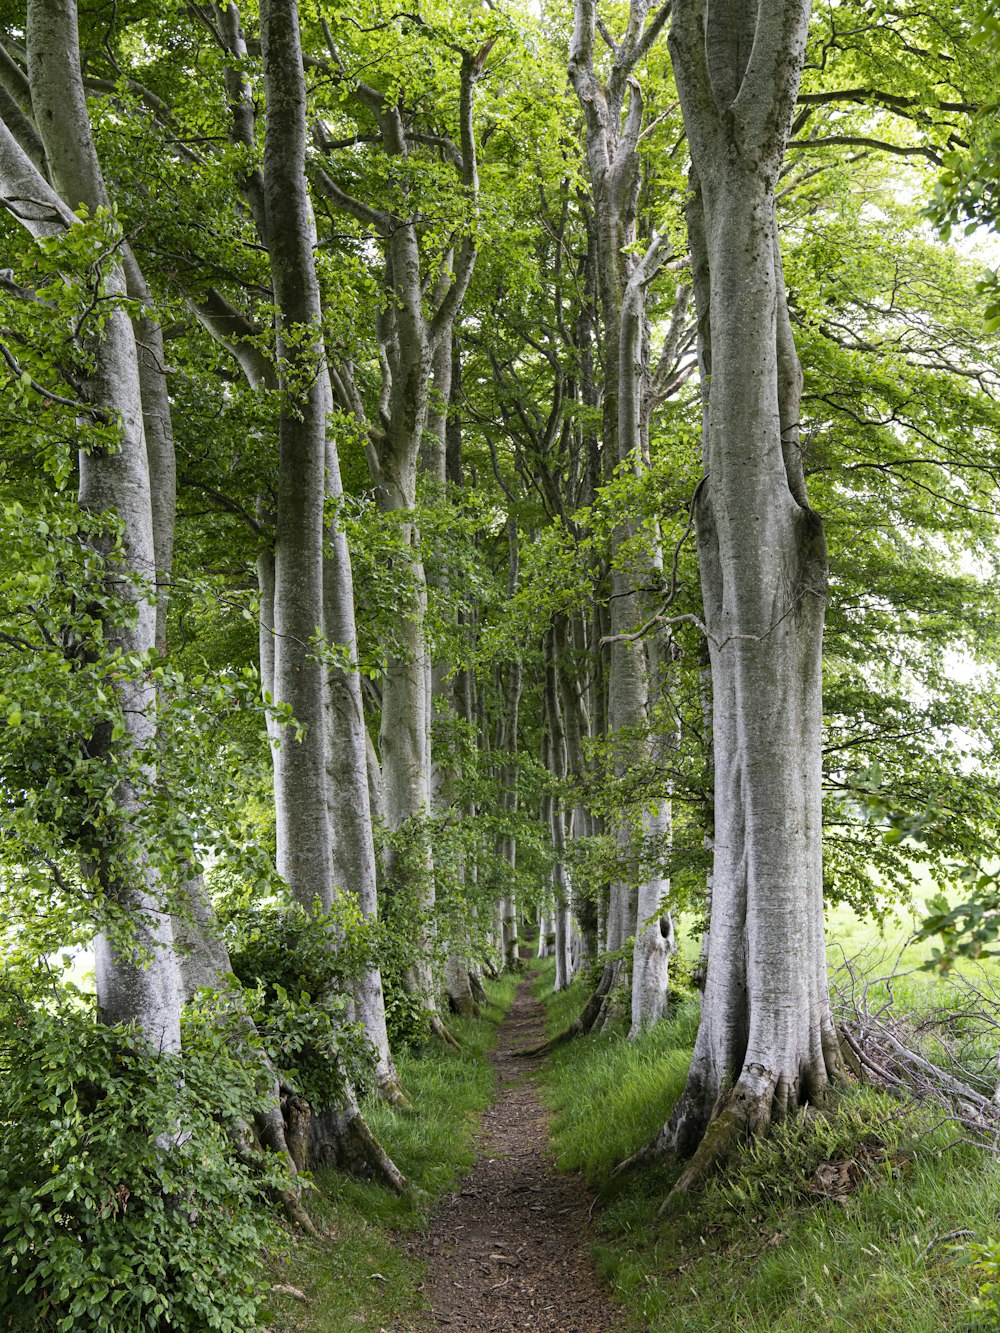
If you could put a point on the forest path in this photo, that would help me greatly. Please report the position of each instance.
(511, 1250)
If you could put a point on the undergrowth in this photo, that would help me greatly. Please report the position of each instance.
(857, 1219)
(356, 1277)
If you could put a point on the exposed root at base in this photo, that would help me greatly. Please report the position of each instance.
(651, 1155)
(746, 1111)
(391, 1091)
(339, 1138)
(463, 1005)
(270, 1129)
(726, 1131)
(441, 1032)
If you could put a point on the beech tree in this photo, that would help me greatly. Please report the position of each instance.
(438, 651)
(766, 1042)
(137, 974)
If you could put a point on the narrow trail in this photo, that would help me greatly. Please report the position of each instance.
(511, 1250)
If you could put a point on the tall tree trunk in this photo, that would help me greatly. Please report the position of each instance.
(766, 1043)
(111, 480)
(507, 752)
(304, 587)
(347, 788)
(556, 764)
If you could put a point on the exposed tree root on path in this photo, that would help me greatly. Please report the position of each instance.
(586, 1022)
(510, 1250)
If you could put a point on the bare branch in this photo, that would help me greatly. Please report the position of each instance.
(863, 141)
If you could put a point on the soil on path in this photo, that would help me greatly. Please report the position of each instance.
(511, 1250)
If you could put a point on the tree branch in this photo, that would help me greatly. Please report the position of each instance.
(361, 212)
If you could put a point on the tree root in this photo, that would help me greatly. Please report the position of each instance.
(269, 1127)
(758, 1100)
(442, 1033)
(727, 1129)
(464, 1005)
(341, 1138)
(650, 1155)
(478, 989)
(391, 1091)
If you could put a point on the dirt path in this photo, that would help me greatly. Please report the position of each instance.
(511, 1249)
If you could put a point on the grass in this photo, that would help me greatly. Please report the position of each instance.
(358, 1276)
(770, 1244)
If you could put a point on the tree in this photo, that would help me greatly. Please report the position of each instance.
(137, 974)
(766, 1042)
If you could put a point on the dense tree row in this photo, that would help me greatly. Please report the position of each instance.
(434, 442)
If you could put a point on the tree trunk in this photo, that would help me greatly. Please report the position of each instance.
(308, 586)
(130, 988)
(347, 787)
(766, 1043)
(556, 764)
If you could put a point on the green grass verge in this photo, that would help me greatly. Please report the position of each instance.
(358, 1276)
(762, 1247)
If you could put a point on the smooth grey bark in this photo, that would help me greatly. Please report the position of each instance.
(304, 833)
(347, 788)
(766, 1043)
(135, 982)
(158, 430)
(569, 652)
(614, 169)
(542, 949)
(555, 755)
(654, 939)
(444, 694)
(303, 595)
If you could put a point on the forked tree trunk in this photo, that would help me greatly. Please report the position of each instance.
(766, 1043)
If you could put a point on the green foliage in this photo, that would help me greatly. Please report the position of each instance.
(296, 969)
(967, 928)
(986, 1264)
(122, 1201)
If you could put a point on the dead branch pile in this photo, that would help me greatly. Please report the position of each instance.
(943, 1056)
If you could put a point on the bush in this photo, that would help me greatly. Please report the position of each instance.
(299, 992)
(122, 1203)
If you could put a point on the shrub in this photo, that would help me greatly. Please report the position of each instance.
(122, 1202)
(299, 991)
